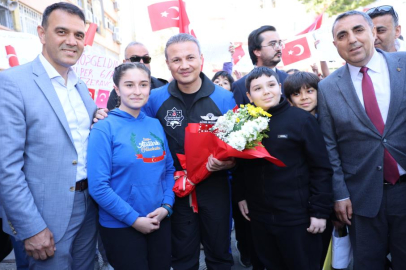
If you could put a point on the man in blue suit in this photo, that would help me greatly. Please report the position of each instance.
(265, 47)
(361, 109)
(45, 117)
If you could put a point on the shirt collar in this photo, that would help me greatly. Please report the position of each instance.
(375, 64)
(53, 74)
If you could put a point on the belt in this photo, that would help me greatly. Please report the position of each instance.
(81, 185)
(402, 179)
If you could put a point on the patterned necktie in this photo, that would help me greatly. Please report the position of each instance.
(390, 168)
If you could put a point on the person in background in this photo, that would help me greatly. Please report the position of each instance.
(223, 79)
(286, 206)
(265, 48)
(292, 71)
(388, 30)
(135, 52)
(301, 91)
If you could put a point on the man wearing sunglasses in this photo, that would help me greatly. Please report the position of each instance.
(388, 30)
(136, 52)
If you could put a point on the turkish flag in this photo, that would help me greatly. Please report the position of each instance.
(90, 33)
(92, 93)
(102, 98)
(314, 26)
(238, 53)
(296, 50)
(168, 14)
(12, 57)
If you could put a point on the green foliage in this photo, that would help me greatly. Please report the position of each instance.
(334, 7)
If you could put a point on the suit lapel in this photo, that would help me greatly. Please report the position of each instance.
(397, 84)
(45, 84)
(87, 100)
(344, 83)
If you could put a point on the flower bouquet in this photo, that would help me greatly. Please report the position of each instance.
(238, 134)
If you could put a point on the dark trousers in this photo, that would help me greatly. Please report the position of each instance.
(243, 236)
(5, 243)
(371, 237)
(128, 249)
(286, 247)
(210, 227)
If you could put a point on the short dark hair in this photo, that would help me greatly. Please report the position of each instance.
(352, 13)
(258, 72)
(67, 7)
(255, 40)
(381, 11)
(224, 74)
(121, 69)
(294, 70)
(293, 83)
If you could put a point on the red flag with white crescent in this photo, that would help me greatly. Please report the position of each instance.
(314, 26)
(102, 98)
(296, 50)
(238, 53)
(167, 14)
(12, 56)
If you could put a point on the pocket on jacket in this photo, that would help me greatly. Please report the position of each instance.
(349, 168)
(146, 198)
(38, 192)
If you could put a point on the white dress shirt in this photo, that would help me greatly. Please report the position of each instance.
(75, 112)
(379, 73)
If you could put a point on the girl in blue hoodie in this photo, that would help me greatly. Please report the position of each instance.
(130, 173)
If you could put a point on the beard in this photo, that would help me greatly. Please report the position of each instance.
(271, 61)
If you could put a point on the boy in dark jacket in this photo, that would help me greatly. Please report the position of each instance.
(287, 206)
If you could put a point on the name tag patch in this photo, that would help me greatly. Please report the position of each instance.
(283, 136)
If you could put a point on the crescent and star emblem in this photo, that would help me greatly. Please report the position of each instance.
(165, 14)
(300, 52)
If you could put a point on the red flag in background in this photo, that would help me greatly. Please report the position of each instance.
(12, 57)
(296, 50)
(90, 33)
(183, 19)
(168, 14)
(314, 26)
(92, 93)
(238, 53)
(102, 98)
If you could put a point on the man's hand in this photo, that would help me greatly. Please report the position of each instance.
(160, 213)
(317, 225)
(237, 74)
(343, 211)
(214, 164)
(40, 246)
(146, 225)
(244, 209)
(100, 114)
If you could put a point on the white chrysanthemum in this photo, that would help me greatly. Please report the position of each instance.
(236, 140)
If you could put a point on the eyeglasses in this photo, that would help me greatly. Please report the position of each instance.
(381, 10)
(145, 59)
(275, 44)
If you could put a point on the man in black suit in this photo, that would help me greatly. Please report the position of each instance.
(136, 52)
(265, 47)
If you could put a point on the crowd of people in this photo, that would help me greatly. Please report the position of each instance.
(74, 177)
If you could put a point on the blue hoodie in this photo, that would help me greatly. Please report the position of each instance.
(129, 166)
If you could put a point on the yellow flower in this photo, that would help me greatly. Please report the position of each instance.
(237, 120)
(242, 106)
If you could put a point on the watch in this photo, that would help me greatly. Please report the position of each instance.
(168, 208)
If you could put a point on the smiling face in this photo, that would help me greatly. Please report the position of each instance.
(386, 33)
(354, 40)
(62, 39)
(223, 82)
(265, 92)
(184, 62)
(305, 99)
(133, 89)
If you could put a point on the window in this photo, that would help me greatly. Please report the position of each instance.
(5, 15)
(29, 19)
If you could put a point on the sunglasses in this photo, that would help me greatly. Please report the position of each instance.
(381, 10)
(145, 59)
